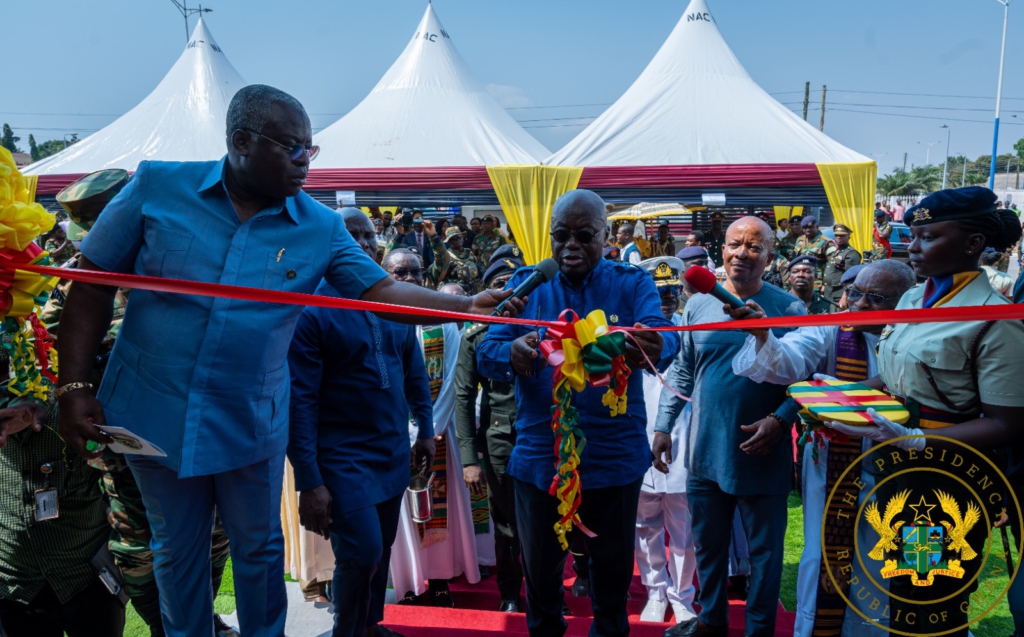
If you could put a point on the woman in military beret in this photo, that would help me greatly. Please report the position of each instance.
(960, 380)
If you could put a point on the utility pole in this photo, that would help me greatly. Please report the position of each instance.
(945, 166)
(186, 12)
(821, 126)
(807, 98)
(963, 178)
(904, 162)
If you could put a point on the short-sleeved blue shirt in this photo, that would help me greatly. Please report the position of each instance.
(206, 379)
(617, 450)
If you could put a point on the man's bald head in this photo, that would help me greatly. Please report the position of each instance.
(581, 202)
(747, 251)
(753, 224)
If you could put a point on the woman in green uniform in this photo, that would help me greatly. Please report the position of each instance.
(961, 380)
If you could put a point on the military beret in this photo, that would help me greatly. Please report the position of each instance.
(851, 274)
(841, 229)
(804, 259)
(718, 214)
(500, 268)
(665, 270)
(452, 232)
(950, 204)
(881, 213)
(807, 218)
(611, 252)
(507, 251)
(693, 252)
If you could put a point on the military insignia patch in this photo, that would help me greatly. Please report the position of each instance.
(614, 318)
(922, 214)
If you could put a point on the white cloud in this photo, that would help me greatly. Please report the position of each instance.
(509, 96)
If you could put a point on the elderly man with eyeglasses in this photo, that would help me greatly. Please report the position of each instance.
(847, 353)
(206, 379)
(617, 452)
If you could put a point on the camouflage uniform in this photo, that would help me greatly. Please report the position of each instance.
(839, 261)
(878, 249)
(433, 277)
(130, 532)
(484, 245)
(714, 245)
(777, 273)
(62, 257)
(463, 269)
(818, 248)
(786, 247)
(665, 248)
(821, 305)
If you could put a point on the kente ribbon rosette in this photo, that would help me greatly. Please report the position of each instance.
(580, 351)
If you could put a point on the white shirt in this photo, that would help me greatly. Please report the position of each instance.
(1000, 282)
(796, 356)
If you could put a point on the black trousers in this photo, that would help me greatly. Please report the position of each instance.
(501, 496)
(94, 612)
(611, 514)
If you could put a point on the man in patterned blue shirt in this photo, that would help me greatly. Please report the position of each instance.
(206, 379)
(617, 453)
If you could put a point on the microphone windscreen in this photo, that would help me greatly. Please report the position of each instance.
(547, 267)
(701, 279)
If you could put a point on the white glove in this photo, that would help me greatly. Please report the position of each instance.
(882, 431)
(824, 377)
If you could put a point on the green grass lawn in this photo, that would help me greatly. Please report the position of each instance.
(223, 604)
(998, 623)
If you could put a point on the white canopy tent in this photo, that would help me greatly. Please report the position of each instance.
(427, 110)
(183, 119)
(695, 104)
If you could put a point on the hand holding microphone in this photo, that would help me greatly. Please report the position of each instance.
(541, 274)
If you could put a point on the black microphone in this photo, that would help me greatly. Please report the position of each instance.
(705, 282)
(542, 273)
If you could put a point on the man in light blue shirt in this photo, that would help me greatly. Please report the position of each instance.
(206, 379)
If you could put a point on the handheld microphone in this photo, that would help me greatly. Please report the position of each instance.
(705, 282)
(542, 273)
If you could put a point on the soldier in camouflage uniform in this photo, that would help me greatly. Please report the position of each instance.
(433, 275)
(801, 277)
(786, 246)
(814, 243)
(130, 531)
(487, 241)
(714, 239)
(880, 246)
(841, 258)
(464, 268)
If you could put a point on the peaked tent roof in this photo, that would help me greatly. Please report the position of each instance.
(427, 110)
(183, 119)
(695, 104)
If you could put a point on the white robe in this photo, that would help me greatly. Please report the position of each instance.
(412, 565)
(307, 556)
(792, 359)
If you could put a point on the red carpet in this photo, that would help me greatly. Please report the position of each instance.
(476, 604)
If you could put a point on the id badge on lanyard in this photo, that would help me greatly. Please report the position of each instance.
(47, 507)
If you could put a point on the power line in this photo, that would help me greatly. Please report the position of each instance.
(930, 108)
(520, 108)
(944, 119)
(966, 97)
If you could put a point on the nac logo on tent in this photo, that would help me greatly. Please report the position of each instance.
(432, 37)
(694, 17)
(194, 43)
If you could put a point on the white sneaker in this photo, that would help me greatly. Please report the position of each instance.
(682, 612)
(654, 611)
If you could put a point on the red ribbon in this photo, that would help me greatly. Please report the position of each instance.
(944, 314)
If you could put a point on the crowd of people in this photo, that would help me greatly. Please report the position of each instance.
(340, 409)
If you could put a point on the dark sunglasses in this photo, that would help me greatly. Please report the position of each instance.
(402, 273)
(294, 150)
(853, 294)
(583, 236)
(669, 290)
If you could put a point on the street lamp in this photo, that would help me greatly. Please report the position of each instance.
(999, 97)
(945, 166)
(928, 153)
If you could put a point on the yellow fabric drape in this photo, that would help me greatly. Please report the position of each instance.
(31, 181)
(785, 212)
(850, 188)
(526, 194)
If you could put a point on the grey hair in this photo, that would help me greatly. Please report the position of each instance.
(902, 274)
(251, 107)
(397, 252)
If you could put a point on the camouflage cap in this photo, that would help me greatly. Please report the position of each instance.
(451, 232)
(86, 198)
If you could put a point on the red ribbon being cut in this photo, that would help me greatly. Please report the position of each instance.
(945, 314)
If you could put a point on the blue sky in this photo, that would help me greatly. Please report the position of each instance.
(99, 60)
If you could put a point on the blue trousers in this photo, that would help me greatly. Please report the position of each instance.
(181, 512)
(608, 512)
(362, 541)
(764, 520)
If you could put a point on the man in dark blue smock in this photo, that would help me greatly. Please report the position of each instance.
(355, 380)
(617, 453)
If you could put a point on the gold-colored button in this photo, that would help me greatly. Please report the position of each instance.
(46, 468)
(291, 274)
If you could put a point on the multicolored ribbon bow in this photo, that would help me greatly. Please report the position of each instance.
(580, 351)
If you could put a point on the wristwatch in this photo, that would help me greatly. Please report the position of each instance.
(70, 387)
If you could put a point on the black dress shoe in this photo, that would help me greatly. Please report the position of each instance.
(581, 587)
(221, 628)
(440, 594)
(485, 571)
(738, 586)
(509, 606)
(409, 599)
(696, 628)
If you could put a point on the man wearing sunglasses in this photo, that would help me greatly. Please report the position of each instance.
(617, 453)
(849, 354)
(206, 378)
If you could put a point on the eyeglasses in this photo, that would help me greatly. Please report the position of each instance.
(583, 236)
(853, 294)
(402, 273)
(294, 150)
(669, 290)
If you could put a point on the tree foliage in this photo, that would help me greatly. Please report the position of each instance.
(54, 146)
(1019, 147)
(9, 141)
(33, 150)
